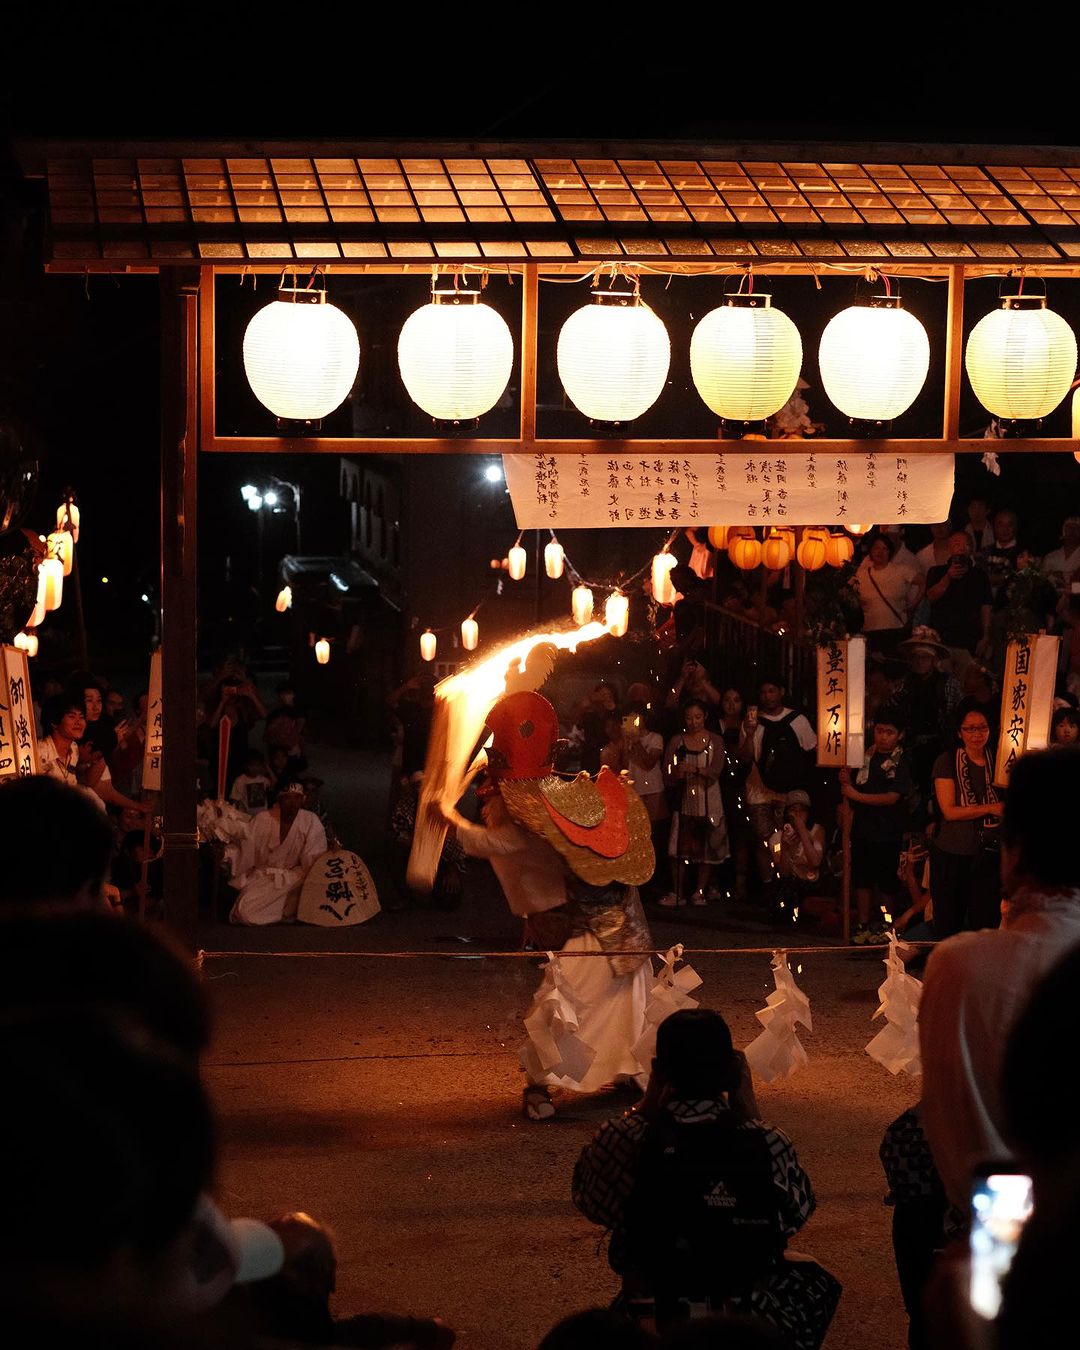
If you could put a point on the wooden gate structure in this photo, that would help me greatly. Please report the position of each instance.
(193, 211)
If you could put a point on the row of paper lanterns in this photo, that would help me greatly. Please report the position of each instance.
(51, 571)
(775, 551)
(455, 354)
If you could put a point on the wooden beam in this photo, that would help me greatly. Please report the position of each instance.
(954, 353)
(179, 412)
(818, 445)
(530, 323)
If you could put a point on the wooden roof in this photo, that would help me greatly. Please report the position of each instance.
(149, 205)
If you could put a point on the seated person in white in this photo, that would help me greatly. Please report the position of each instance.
(269, 866)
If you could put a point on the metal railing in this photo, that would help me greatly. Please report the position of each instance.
(742, 654)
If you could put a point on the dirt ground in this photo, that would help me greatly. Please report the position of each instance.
(382, 1096)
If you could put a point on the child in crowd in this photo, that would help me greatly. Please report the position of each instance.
(250, 789)
(798, 849)
(879, 798)
(1065, 727)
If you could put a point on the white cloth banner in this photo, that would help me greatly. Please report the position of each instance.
(765, 484)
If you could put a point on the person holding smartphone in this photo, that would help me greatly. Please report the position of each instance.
(960, 604)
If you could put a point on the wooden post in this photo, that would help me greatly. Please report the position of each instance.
(179, 293)
(845, 886)
(954, 353)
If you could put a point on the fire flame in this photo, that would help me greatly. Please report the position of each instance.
(462, 703)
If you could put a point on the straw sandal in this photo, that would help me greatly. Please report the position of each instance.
(536, 1104)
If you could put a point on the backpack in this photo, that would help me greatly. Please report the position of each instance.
(783, 764)
(703, 1218)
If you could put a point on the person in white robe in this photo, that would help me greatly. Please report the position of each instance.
(569, 857)
(270, 864)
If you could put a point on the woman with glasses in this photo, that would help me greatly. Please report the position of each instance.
(965, 873)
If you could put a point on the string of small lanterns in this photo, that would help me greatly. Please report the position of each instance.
(455, 354)
(52, 568)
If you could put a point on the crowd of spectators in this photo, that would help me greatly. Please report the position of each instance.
(112, 1235)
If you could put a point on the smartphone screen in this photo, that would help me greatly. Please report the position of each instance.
(1001, 1203)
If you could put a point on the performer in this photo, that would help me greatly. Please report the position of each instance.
(569, 855)
(270, 864)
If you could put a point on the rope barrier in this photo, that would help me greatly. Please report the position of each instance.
(541, 955)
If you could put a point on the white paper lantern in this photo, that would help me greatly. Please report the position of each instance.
(874, 359)
(21, 641)
(284, 599)
(617, 614)
(516, 560)
(59, 545)
(662, 589)
(301, 355)
(31, 644)
(455, 356)
(428, 644)
(745, 358)
(858, 529)
(50, 582)
(613, 358)
(1021, 359)
(553, 559)
(67, 513)
(470, 633)
(322, 651)
(581, 603)
(37, 614)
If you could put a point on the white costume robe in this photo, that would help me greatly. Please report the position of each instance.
(269, 874)
(606, 1008)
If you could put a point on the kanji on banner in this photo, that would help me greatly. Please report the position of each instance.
(18, 745)
(151, 776)
(1027, 700)
(758, 486)
(841, 693)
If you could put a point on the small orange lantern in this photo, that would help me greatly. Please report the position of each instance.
(811, 553)
(745, 553)
(839, 549)
(776, 551)
(322, 651)
(718, 536)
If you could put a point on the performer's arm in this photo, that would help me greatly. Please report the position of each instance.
(482, 841)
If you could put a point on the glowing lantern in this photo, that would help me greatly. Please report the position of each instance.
(776, 552)
(22, 641)
(455, 356)
(662, 589)
(470, 634)
(581, 603)
(553, 559)
(1021, 359)
(718, 536)
(60, 545)
(50, 582)
(301, 355)
(874, 360)
(37, 614)
(745, 358)
(67, 513)
(839, 550)
(812, 552)
(322, 651)
(745, 552)
(284, 599)
(516, 560)
(858, 529)
(617, 614)
(428, 643)
(613, 357)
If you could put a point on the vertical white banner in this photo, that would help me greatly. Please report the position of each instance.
(18, 739)
(832, 704)
(151, 776)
